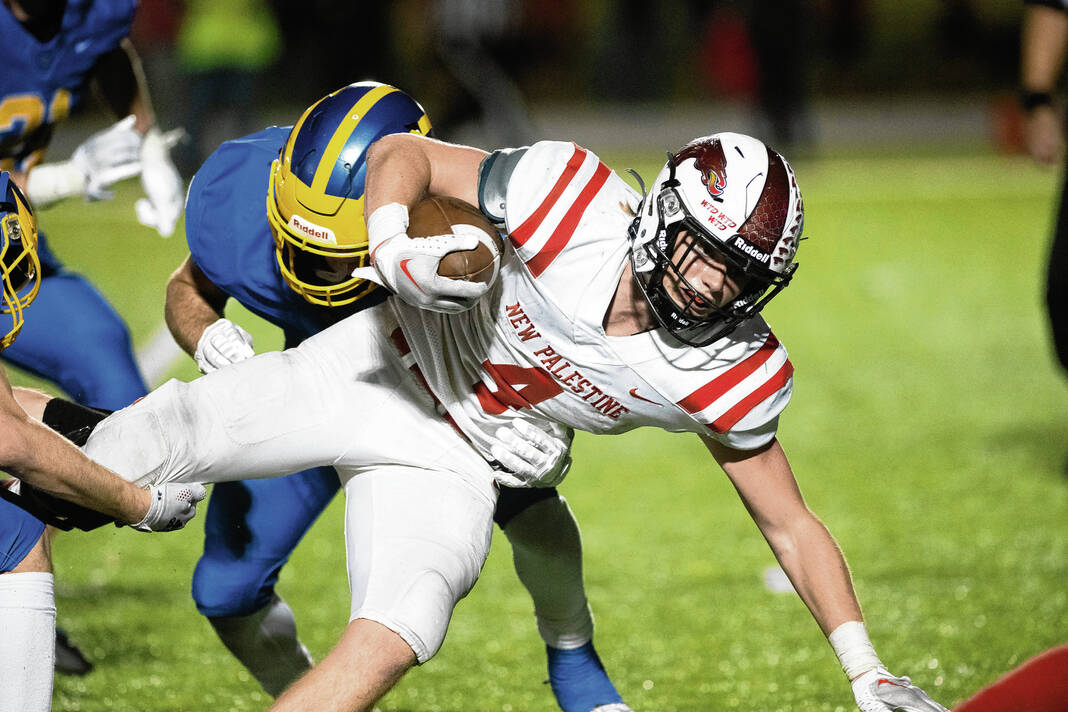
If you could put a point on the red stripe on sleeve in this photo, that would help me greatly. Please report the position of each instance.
(563, 232)
(521, 234)
(708, 393)
(729, 419)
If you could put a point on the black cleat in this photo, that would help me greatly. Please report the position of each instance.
(70, 660)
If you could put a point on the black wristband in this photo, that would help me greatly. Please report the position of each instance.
(1031, 100)
(71, 420)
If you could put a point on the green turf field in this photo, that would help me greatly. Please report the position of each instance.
(928, 429)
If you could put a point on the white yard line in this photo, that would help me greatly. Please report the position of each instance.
(158, 356)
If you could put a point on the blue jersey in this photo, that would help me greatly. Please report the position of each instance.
(43, 81)
(231, 241)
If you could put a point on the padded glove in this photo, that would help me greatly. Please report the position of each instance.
(409, 267)
(173, 505)
(222, 344)
(164, 191)
(532, 456)
(879, 691)
(108, 157)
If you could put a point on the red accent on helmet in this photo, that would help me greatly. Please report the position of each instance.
(710, 161)
(765, 225)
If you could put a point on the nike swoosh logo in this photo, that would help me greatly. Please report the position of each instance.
(404, 268)
(634, 394)
(884, 681)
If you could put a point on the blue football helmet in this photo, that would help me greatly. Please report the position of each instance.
(315, 194)
(19, 269)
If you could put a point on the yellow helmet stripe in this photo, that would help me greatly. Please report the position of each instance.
(341, 136)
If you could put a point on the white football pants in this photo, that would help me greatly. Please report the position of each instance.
(420, 499)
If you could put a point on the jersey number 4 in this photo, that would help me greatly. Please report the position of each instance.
(517, 387)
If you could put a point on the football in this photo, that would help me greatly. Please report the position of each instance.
(451, 216)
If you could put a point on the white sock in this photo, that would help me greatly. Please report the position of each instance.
(27, 642)
(547, 553)
(266, 643)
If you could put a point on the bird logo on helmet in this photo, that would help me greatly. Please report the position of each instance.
(750, 216)
(316, 191)
(19, 269)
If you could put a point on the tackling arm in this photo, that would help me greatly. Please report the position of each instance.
(44, 459)
(193, 303)
(194, 314)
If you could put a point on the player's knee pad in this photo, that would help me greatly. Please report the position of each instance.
(142, 442)
(420, 616)
(419, 610)
(416, 544)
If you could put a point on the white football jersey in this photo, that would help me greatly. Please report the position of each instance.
(534, 346)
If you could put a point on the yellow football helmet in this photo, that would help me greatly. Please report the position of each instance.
(19, 269)
(315, 193)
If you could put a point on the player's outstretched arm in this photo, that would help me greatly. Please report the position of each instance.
(194, 314)
(815, 565)
(43, 458)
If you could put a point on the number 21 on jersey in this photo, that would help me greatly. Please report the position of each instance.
(22, 114)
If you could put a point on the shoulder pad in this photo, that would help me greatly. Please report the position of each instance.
(493, 175)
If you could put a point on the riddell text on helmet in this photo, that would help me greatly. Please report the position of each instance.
(750, 250)
(313, 231)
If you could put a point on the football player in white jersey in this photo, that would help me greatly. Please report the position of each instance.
(612, 311)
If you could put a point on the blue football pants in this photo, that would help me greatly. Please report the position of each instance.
(75, 339)
(251, 528)
(19, 531)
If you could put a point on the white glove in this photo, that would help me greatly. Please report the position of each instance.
(173, 505)
(108, 157)
(531, 456)
(409, 268)
(222, 344)
(164, 190)
(879, 691)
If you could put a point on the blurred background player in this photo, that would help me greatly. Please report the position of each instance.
(41, 458)
(52, 51)
(1039, 684)
(470, 72)
(298, 278)
(1043, 44)
(221, 47)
